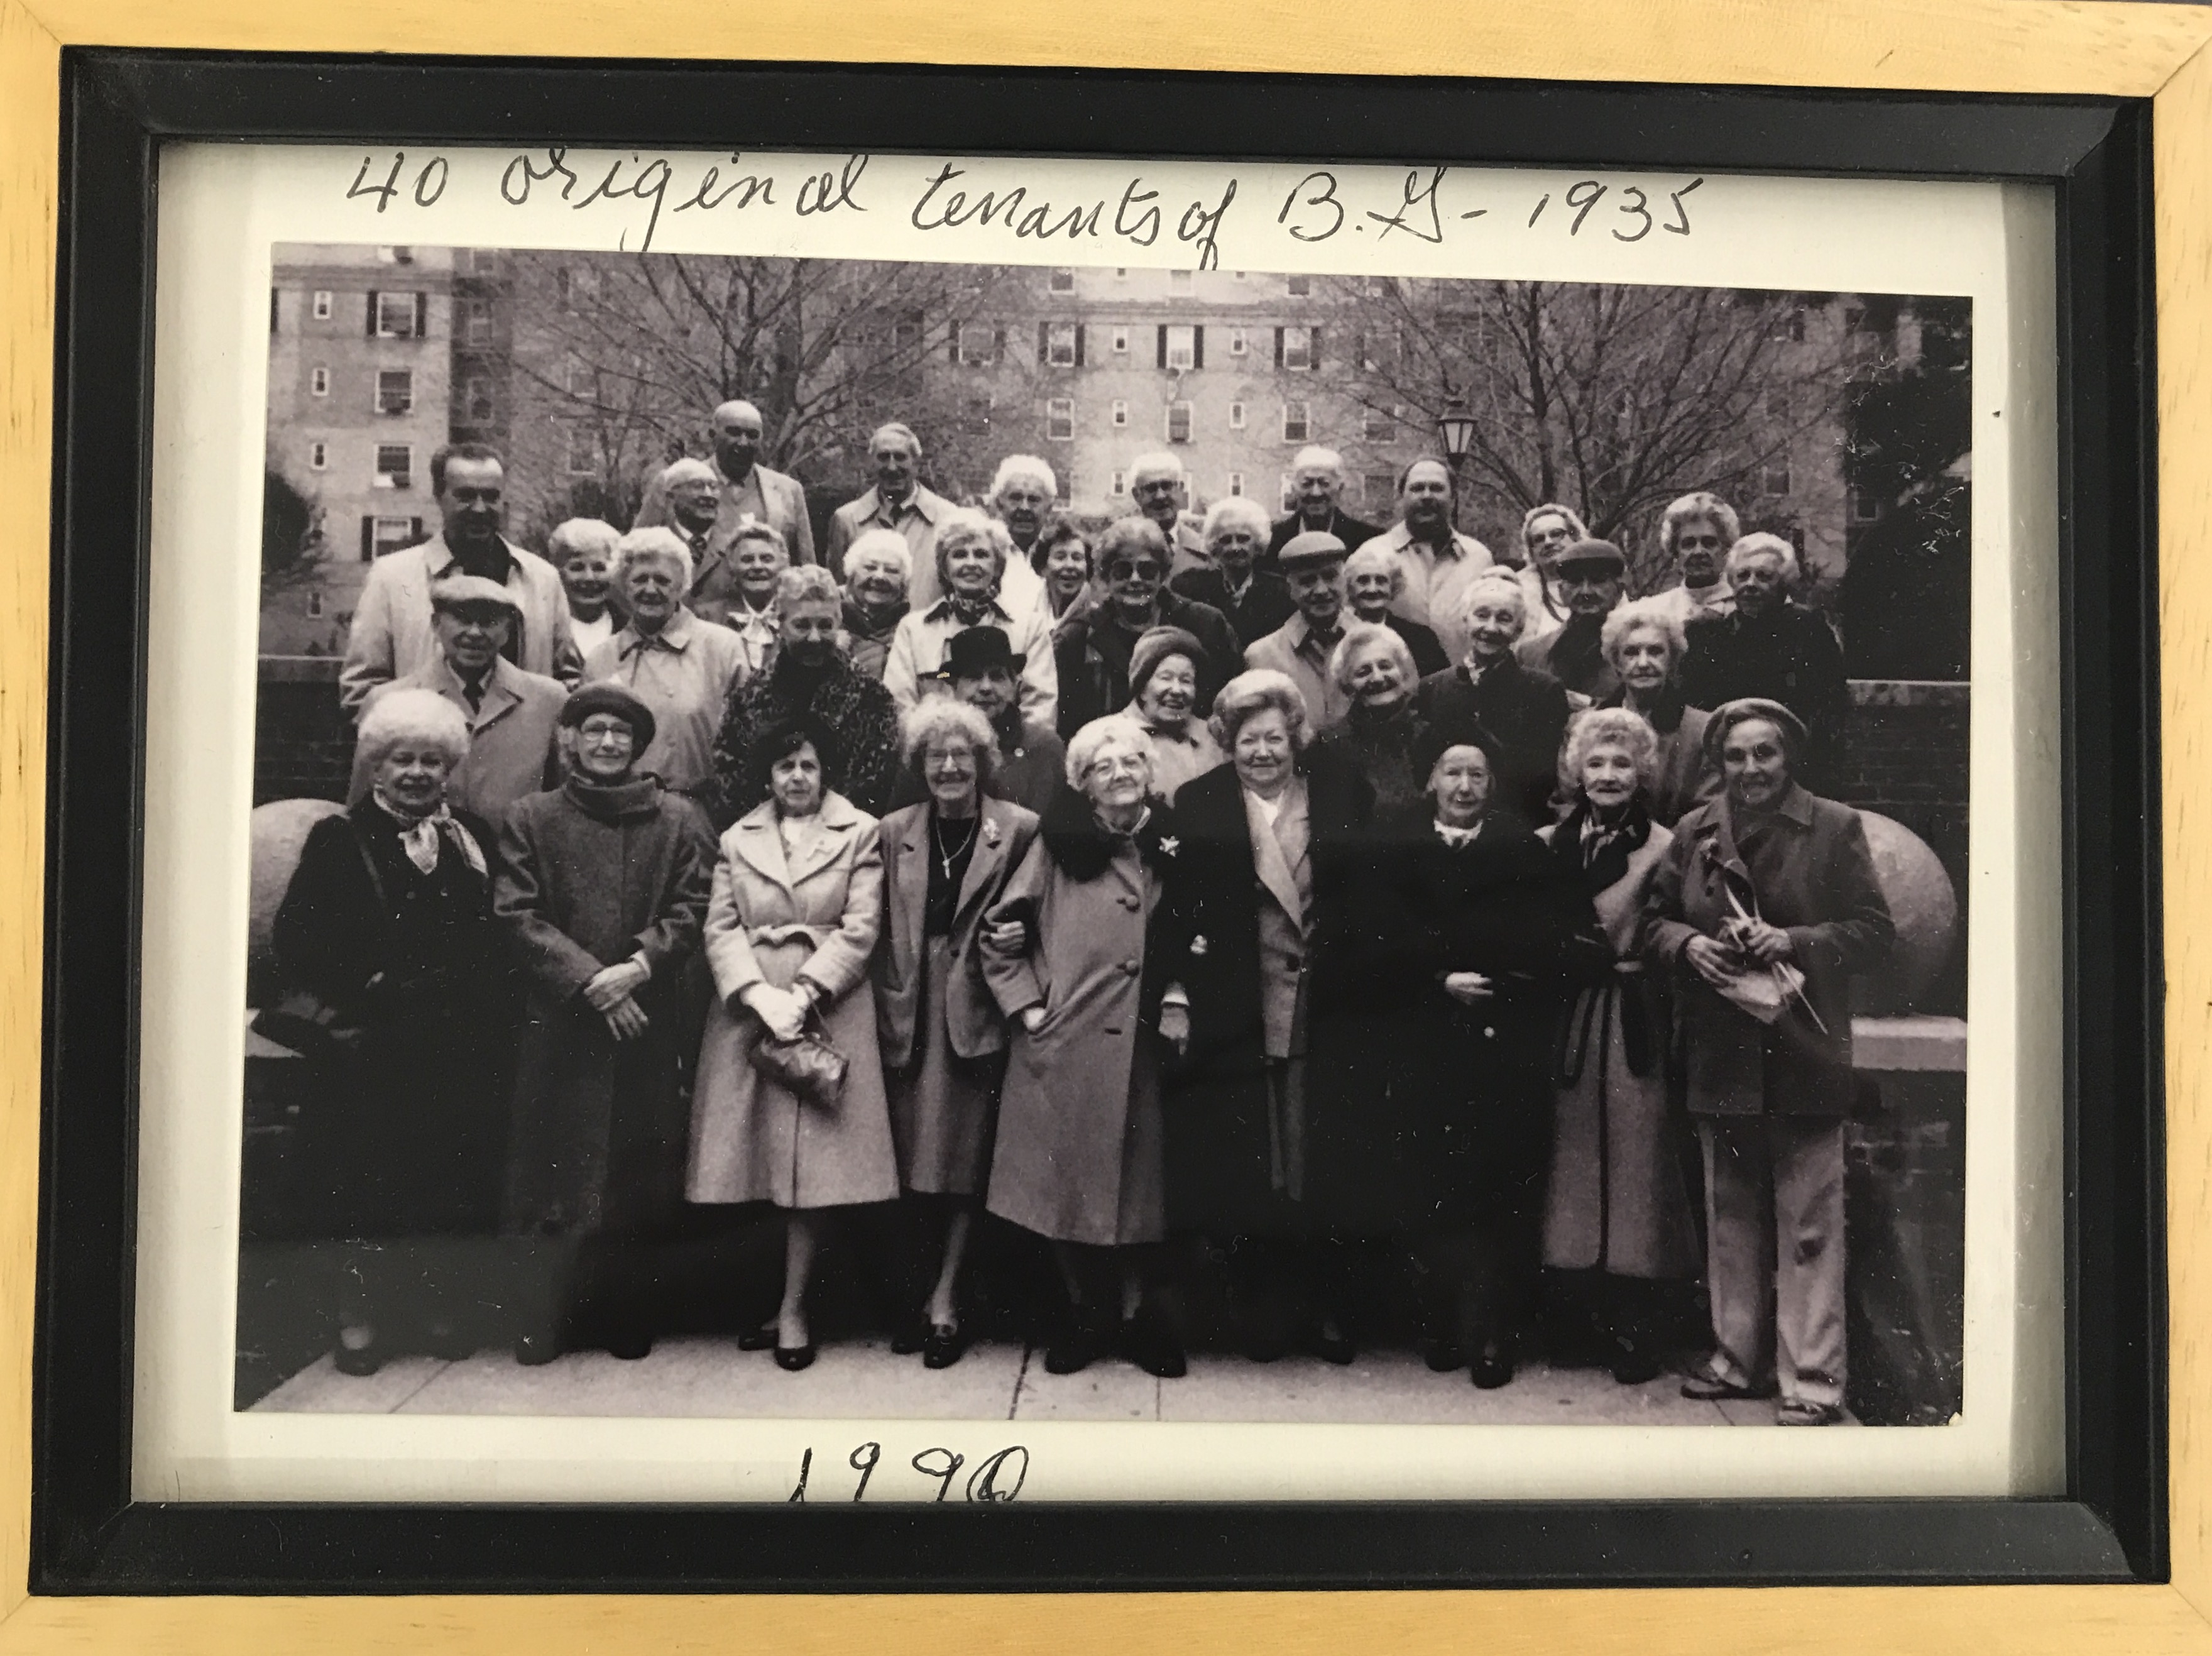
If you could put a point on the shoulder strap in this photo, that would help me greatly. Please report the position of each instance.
(369, 865)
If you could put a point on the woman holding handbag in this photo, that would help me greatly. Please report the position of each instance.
(790, 1106)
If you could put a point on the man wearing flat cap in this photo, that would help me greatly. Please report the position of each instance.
(512, 714)
(1591, 575)
(391, 636)
(603, 889)
(1312, 565)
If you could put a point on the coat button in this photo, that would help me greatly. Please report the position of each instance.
(1130, 903)
(1132, 967)
(1490, 1034)
(1113, 1029)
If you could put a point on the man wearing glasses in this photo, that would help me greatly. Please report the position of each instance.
(1093, 651)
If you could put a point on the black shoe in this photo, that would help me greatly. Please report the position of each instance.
(1635, 1365)
(912, 1334)
(1266, 1348)
(791, 1359)
(1491, 1370)
(630, 1347)
(1704, 1386)
(359, 1360)
(449, 1346)
(536, 1350)
(1151, 1345)
(1442, 1356)
(757, 1339)
(1074, 1348)
(1336, 1349)
(943, 1346)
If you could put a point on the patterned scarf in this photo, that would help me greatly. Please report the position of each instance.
(419, 835)
(1599, 849)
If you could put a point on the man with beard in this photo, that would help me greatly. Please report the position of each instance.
(1591, 575)
(1773, 648)
(982, 669)
(878, 571)
(1022, 491)
(1437, 560)
(1372, 581)
(1092, 652)
(1254, 601)
(746, 491)
(392, 636)
(1158, 486)
(1524, 710)
(1696, 534)
(811, 676)
(1313, 565)
(897, 502)
(1316, 484)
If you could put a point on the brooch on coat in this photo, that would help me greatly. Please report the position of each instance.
(990, 832)
(1198, 945)
(1170, 846)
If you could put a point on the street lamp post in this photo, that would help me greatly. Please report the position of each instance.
(1455, 426)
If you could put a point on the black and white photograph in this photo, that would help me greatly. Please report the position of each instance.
(858, 839)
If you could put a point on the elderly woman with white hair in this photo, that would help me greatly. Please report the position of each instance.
(1374, 577)
(582, 550)
(1373, 669)
(1643, 642)
(1772, 646)
(1617, 1220)
(1075, 959)
(387, 924)
(1264, 836)
(1021, 496)
(1523, 709)
(1255, 601)
(977, 566)
(1165, 670)
(879, 569)
(1695, 535)
(946, 862)
(678, 666)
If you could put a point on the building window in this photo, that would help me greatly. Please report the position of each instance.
(1120, 342)
(979, 414)
(1378, 488)
(1182, 346)
(1121, 274)
(483, 261)
(1379, 425)
(388, 535)
(479, 324)
(1179, 280)
(1774, 476)
(395, 390)
(1063, 344)
(579, 379)
(1236, 417)
(319, 456)
(1296, 348)
(395, 316)
(395, 465)
(1121, 484)
(1236, 342)
(1060, 419)
(1294, 424)
(314, 601)
(1865, 508)
(1299, 287)
(480, 404)
(1236, 483)
(1063, 278)
(1179, 422)
(1789, 325)
(577, 285)
(396, 255)
(977, 345)
(583, 454)
(276, 304)
(318, 381)
(322, 305)
(1121, 411)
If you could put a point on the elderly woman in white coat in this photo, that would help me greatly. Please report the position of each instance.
(797, 908)
(1618, 1218)
(1074, 958)
(946, 862)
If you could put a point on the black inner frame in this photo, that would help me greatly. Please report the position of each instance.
(89, 1537)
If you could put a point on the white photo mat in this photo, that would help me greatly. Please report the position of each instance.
(223, 207)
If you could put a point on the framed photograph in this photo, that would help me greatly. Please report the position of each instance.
(1332, 861)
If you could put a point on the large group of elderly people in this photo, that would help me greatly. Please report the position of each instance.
(1294, 901)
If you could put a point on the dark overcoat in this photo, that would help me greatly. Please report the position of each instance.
(1525, 711)
(1428, 1113)
(589, 877)
(408, 1124)
(1219, 1155)
(1807, 870)
(1092, 652)
(1788, 655)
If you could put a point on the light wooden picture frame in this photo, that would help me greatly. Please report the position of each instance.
(2006, 46)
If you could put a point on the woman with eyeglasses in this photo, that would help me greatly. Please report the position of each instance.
(1092, 653)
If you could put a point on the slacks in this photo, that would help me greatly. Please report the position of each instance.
(1774, 1208)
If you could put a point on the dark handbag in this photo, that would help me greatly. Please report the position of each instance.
(809, 1066)
(302, 1020)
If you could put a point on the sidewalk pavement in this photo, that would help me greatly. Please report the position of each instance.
(706, 1377)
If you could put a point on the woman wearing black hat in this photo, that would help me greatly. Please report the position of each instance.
(1764, 908)
(1435, 990)
(602, 888)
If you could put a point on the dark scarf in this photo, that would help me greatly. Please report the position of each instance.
(617, 801)
(1577, 654)
(862, 625)
(1666, 715)
(1602, 860)
(970, 612)
(1082, 849)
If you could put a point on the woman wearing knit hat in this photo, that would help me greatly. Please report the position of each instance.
(1165, 670)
